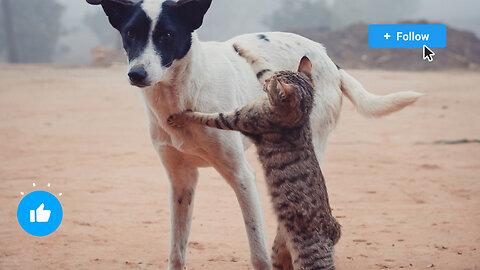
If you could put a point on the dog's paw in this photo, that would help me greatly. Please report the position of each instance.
(176, 120)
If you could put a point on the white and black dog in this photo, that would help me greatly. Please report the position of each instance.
(177, 72)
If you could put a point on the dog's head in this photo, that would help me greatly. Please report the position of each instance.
(155, 33)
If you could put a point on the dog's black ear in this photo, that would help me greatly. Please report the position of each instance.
(94, 2)
(116, 10)
(191, 12)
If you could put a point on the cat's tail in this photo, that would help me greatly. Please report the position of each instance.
(259, 66)
(372, 105)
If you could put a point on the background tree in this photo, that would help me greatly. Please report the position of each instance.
(372, 11)
(98, 23)
(227, 18)
(301, 14)
(35, 28)
(338, 13)
(8, 27)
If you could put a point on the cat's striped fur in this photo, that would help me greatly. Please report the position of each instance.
(279, 126)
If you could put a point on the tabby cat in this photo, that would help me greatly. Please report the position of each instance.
(278, 124)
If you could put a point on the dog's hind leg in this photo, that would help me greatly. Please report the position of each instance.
(183, 178)
(230, 161)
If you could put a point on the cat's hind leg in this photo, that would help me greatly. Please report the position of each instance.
(281, 258)
(313, 252)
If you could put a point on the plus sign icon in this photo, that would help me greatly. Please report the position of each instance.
(39, 213)
(387, 36)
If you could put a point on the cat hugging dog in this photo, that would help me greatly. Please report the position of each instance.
(279, 126)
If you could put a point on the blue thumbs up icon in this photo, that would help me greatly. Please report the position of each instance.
(39, 213)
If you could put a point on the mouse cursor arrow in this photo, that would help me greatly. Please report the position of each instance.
(427, 53)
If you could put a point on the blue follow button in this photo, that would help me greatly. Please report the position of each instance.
(407, 35)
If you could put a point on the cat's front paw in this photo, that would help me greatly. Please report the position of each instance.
(176, 120)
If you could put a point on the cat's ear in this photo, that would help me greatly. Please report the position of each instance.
(285, 89)
(305, 67)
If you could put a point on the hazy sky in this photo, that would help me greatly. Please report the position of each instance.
(228, 18)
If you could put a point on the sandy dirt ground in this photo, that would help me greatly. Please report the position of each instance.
(403, 201)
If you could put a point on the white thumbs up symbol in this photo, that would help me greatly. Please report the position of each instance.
(42, 215)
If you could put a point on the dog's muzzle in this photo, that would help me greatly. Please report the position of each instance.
(138, 76)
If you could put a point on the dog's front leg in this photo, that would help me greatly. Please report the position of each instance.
(183, 180)
(230, 161)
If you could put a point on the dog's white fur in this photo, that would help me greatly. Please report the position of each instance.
(213, 78)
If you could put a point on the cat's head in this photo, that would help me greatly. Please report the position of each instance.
(291, 94)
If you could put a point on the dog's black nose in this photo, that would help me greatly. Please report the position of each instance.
(138, 75)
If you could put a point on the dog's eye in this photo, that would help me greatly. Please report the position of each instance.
(130, 35)
(166, 36)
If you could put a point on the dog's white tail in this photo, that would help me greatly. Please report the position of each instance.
(373, 105)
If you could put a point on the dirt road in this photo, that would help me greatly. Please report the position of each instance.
(403, 201)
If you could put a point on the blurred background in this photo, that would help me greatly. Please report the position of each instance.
(65, 32)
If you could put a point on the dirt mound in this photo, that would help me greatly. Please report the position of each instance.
(105, 57)
(348, 47)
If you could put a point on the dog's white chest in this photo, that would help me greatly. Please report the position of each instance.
(160, 102)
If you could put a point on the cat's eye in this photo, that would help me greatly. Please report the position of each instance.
(166, 36)
(130, 35)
